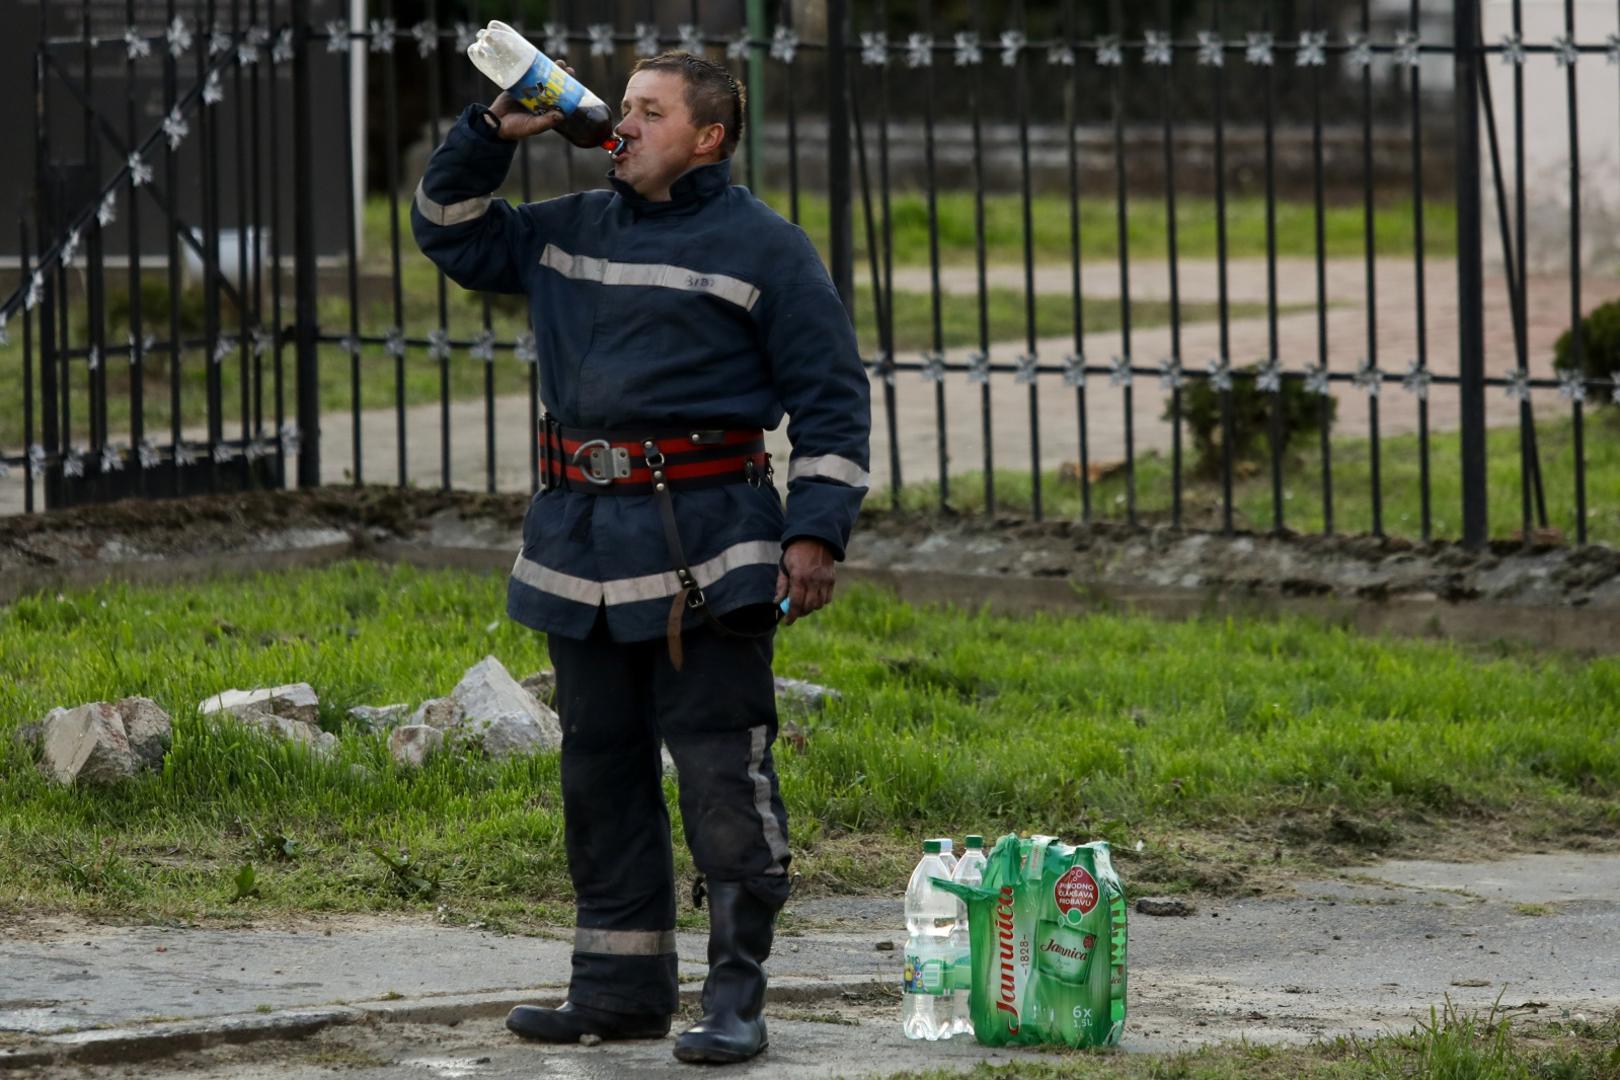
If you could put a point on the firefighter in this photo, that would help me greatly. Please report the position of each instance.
(677, 318)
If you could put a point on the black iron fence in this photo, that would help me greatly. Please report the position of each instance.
(209, 298)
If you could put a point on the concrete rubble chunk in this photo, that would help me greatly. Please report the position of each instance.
(293, 701)
(442, 713)
(88, 745)
(322, 743)
(500, 715)
(148, 729)
(412, 744)
(380, 717)
(796, 695)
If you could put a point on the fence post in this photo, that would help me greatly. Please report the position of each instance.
(1470, 273)
(309, 391)
(839, 194)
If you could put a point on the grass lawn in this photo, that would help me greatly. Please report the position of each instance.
(1451, 1046)
(1352, 487)
(1232, 751)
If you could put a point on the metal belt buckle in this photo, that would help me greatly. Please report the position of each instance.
(602, 462)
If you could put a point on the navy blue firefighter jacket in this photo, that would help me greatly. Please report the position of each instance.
(706, 311)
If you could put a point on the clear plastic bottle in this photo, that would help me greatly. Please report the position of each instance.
(946, 856)
(969, 871)
(538, 83)
(930, 918)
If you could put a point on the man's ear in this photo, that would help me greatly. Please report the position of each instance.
(711, 139)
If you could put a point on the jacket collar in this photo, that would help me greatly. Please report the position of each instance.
(693, 188)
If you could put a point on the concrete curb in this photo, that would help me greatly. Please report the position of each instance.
(146, 1042)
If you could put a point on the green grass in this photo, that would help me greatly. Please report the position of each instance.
(1147, 227)
(1211, 742)
(1452, 1045)
(1400, 473)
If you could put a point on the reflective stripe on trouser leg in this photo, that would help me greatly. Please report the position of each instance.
(615, 827)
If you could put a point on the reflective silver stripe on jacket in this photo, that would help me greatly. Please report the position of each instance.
(830, 466)
(453, 214)
(623, 942)
(657, 275)
(762, 800)
(648, 586)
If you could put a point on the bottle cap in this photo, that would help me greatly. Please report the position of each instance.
(974, 840)
(945, 844)
(930, 847)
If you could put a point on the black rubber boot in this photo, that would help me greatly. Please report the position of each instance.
(568, 1023)
(733, 1027)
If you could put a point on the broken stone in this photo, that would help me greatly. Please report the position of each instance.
(796, 695)
(588, 1039)
(147, 727)
(543, 685)
(322, 743)
(413, 743)
(1163, 905)
(442, 713)
(88, 745)
(500, 715)
(380, 717)
(294, 701)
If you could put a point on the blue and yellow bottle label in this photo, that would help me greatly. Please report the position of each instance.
(547, 86)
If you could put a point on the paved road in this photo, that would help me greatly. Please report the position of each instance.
(1367, 951)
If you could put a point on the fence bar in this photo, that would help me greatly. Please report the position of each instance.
(391, 173)
(246, 305)
(1419, 286)
(137, 342)
(937, 355)
(309, 391)
(1071, 116)
(1167, 101)
(784, 18)
(352, 224)
(24, 274)
(891, 404)
(1218, 71)
(176, 353)
(276, 335)
(1325, 409)
(1273, 349)
(1577, 332)
(840, 243)
(209, 141)
(1470, 273)
(1122, 236)
(1372, 279)
(975, 110)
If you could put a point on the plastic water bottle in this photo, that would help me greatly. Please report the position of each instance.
(538, 83)
(945, 855)
(969, 871)
(930, 917)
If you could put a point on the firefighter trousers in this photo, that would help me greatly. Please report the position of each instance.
(717, 716)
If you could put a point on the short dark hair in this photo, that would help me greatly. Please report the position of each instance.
(713, 94)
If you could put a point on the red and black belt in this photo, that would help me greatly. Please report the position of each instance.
(657, 463)
(636, 463)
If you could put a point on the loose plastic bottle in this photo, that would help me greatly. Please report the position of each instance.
(927, 980)
(538, 83)
(969, 871)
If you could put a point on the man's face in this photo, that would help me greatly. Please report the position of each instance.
(662, 141)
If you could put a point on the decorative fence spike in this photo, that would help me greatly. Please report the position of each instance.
(968, 51)
(784, 44)
(1318, 380)
(1211, 49)
(1012, 47)
(978, 371)
(1028, 369)
(111, 459)
(1220, 374)
(291, 439)
(218, 42)
(1408, 48)
(394, 342)
(73, 464)
(147, 455)
(1572, 385)
(875, 48)
(439, 343)
(646, 39)
(1157, 48)
(426, 34)
(1513, 49)
(524, 348)
(919, 51)
(1119, 371)
(1171, 376)
(178, 35)
(467, 33)
(1368, 378)
(1565, 51)
(136, 47)
(484, 347)
(1312, 51)
(36, 460)
(213, 89)
(1518, 385)
(1110, 53)
(1360, 53)
(933, 370)
(107, 212)
(382, 35)
(175, 128)
(691, 38)
(1416, 380)
(184, 455)
(282, 53)
(739, 47)
(1257, 51)
(601, 39)
(1074, 371)
(337, 35)
(1268, 377)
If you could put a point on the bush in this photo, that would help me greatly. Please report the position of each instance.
(1600, 346)
(1251, 418)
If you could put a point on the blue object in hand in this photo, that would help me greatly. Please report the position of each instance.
(783, 606)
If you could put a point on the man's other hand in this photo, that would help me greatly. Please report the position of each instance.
(806, 578)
